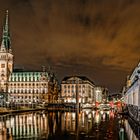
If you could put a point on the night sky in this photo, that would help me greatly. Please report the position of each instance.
(96, 38)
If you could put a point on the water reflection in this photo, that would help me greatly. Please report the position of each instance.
(86, 124)
(47, 125)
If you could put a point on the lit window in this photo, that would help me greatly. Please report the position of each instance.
(2, 65)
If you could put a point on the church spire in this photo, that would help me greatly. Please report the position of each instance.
(6, 43)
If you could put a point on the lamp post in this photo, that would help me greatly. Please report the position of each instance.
(77, 109)
(77, 94)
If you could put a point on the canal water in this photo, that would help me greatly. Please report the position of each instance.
(60, 125)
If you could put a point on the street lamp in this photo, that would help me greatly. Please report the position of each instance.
(77, 94)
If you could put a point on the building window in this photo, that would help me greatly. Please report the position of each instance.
(37, 91)
(2, 65)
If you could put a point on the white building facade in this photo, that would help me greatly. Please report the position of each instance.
(132, 94)
(27, 86)
(73, 86)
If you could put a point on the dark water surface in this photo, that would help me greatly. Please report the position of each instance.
(83, 125)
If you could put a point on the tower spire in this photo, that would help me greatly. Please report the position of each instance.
(6, 43)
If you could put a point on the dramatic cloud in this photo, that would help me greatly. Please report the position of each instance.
(96, 38)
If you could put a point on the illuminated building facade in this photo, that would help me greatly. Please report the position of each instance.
(100, 94)
(81, 85)
(132, 94)
(31, 87)
(23, 86)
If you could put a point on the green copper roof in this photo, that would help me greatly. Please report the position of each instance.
(26, 76)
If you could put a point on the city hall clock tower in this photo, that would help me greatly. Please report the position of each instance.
(6, 57)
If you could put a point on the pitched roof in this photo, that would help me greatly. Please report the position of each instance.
(80, 77)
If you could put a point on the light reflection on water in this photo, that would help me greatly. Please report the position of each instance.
(87, 124)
